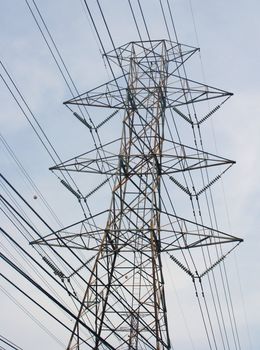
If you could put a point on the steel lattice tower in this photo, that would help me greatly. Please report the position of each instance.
(124, 301)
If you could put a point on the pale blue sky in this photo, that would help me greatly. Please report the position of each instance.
(228, 35)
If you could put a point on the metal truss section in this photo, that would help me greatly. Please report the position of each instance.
(180, 91)
(176, 233)
(174, 158)
(116, 94)
(124, 301)
(147, 52)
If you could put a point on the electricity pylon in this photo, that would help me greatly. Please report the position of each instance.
(124, 302)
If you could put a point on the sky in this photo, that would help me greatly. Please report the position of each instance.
(227, 33)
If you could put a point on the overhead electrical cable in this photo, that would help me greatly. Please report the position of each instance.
(50, 313)
(10, 343)
(76, 272)
(66, 80)
(135, 21)
(40, 288)
(22, 229)
(171, 19)
(46, 144)
(38, 216)
(224, 277)
(237, 341)
(49, 47)
(46, 258)
(27, 312)
(23, 111)
(37, 263)
(219, 304)
(28, 178)
(144, 20)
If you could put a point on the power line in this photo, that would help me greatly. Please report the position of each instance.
(26, 311)
(28, 177)
(196, 204)
(16, 347)
(50, 246)
(206, 170)
(42, 136)
(40, 288)
(9, 343)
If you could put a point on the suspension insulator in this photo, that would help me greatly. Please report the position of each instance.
(56, 271)
(70, 189)
(82, 120)
(177, 262)
(208, 185)
(180, 185)
(209, 114)
(96, 188)
(107, 119)
(182, 115)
